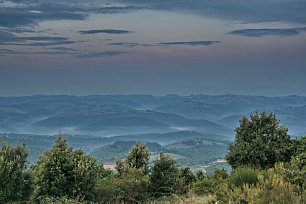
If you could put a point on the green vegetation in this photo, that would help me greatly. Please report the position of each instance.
(62, 171)
(260, 142)
(63, 175)
(15, 178)
(163, 176)
(137, 158)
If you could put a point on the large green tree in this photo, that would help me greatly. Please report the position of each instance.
(137, 158)
(164, 174)
(62, 171)
(15, 179)
(260, 142)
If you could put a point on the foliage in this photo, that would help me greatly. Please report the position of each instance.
(296, 170)
(61, 200)
(184, 181)
(164, 174)
(139, 157)
(15, 179)
(62, 171)
(133, 186)
(199, 175)
(220, 174)
(271, 188)
(106, 191)
(244, 175)
(204, 186)
(260, 142)
(300, 145)
(208, 185)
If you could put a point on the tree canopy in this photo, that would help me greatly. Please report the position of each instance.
(62, 171)
(164, 174)
(260, 142)
(15, 180)
(139, 157)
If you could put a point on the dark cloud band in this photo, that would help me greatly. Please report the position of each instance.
(107, 31)
(100, 54)
(191, 43)
(268, 32)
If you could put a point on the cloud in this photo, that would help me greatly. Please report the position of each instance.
(43, 44)
(24, 16)
(4, 52)
(268, 32)
(31, 12)
(8, 38)
(187, 43)
(190, 43)
(23, 13)
(130, 45)
(116, 9)
(66, 49)
(241, 10)
(100, 54)
(108, 31)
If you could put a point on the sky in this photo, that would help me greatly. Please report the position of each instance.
(78, 47)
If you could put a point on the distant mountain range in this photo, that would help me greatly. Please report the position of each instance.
(109, 115)
(107, 148)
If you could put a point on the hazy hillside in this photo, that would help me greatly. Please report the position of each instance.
(37, 144)
(196, 152)
(109, 115)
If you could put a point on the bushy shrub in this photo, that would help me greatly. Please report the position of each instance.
(61, 200)
(296, 170)
(204, 186)
(64, 172)
(260, 142)
(164, 174)
(220, 174)
(106, 191)
(272, 189)
(209, 185)
(184, 181)
(133, 186)
(242, 176)
(15, 179)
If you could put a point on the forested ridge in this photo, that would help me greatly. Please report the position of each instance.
(268, 166)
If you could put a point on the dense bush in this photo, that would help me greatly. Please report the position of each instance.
(270, 188)
(15, 179)
(62, 171)
(208, 185)
(242, 176)
(133, 186)
(164, 174)
(138, 158)
(260, 142)
(61, 200)
(204, 186)
(296, 170)
(184, 181)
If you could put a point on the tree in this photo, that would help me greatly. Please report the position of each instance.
(296, 170)
(64, 172)
(139, 157)
(15, 179)
(184, 181)
(164, 174)
(133, 185)
(299, 145)
(260, 142)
